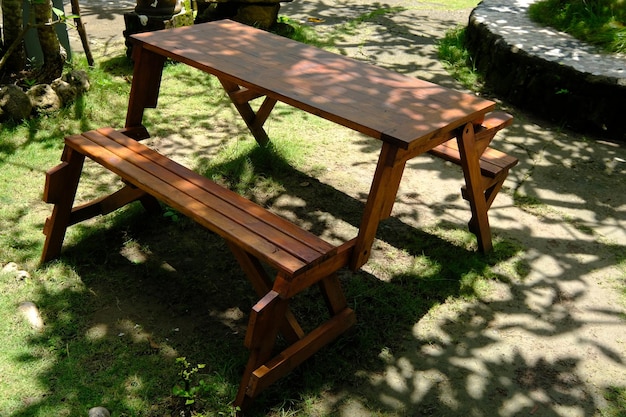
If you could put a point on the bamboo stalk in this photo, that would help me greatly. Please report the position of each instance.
(82, 32)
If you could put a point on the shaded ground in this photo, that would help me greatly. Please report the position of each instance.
(549, 339)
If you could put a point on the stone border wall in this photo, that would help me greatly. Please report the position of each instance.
(527, 71)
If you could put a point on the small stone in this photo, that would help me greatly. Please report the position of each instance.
(43, 98)
(31, 313)
(99, 412)
(66, 92)
(21, 275)
(78, 79)
(10, 268)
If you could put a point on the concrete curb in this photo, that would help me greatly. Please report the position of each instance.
(547, 72)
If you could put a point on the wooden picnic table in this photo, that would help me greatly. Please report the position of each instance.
(410, 116)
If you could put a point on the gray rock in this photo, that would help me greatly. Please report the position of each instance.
(66, 91)
(99, 412)
(31, 313)
(79, 79)
(43, 98)
(14, 103)
(10, 268)
(21, 275)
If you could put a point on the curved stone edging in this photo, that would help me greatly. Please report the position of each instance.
(547, 72)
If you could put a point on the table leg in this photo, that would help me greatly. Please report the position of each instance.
(473, 181)
(382, 195)
(144, 91)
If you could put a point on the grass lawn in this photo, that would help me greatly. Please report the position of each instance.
(599, 22)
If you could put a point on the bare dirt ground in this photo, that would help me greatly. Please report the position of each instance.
(549, 339)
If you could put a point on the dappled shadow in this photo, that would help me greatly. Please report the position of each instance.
(399, 36)
(150, 301)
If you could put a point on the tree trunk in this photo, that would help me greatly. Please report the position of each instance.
(12, 16)
(52, 59)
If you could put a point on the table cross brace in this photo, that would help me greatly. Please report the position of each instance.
(241, 97)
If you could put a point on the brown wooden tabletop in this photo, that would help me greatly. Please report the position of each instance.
(377, 102)
(410, 116)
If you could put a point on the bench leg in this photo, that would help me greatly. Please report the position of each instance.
(289, 327)
(60, 190)
(493, 190)
(260, 340)
(474, 186)
(262, 369)
(272, 315)
(333, 294)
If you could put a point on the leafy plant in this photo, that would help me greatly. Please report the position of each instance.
(190, 390)
(171, 214)
(457, 59)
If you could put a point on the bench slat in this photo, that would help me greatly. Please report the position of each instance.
(492, 161)
(285, 226)
(261, 233)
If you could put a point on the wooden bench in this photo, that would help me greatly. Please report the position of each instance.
(494, 165)
(256, 237)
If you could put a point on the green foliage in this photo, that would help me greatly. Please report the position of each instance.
(457, 59)
(616, 399)
(190, 389)
(599, 22)
(294, 30)
(62, 17)
(171, 214)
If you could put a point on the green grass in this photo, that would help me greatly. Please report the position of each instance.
(457, 59)
(616, 397)
(599, 22)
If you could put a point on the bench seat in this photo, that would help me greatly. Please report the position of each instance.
(280, 243)
(492, 162)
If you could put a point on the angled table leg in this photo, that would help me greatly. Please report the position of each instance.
(144, 91)
(475, 191)
(382, 195)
